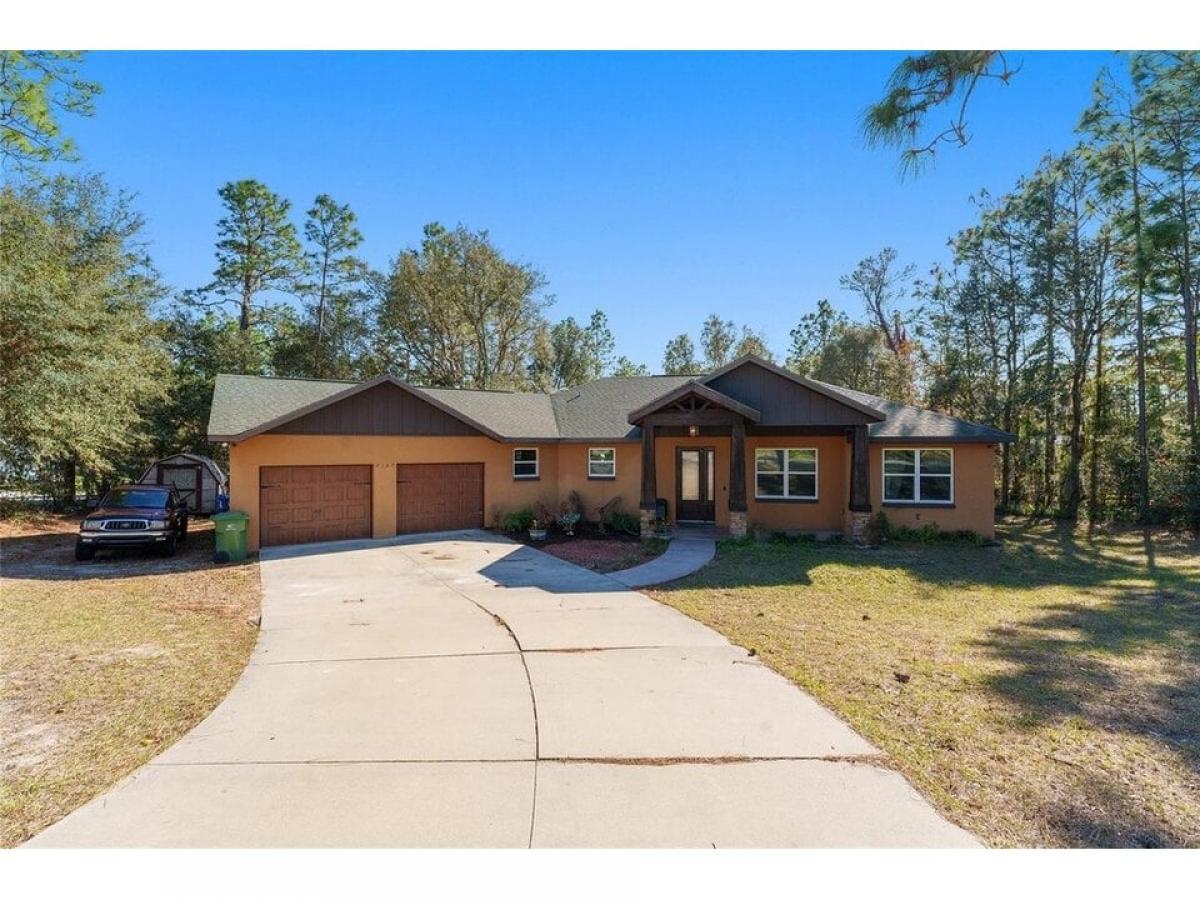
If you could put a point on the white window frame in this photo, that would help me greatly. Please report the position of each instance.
(537, 464)
(613, 451)
(884, 474)
(816, 473)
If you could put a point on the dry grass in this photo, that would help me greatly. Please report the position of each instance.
(105, 664)
(1052, 695)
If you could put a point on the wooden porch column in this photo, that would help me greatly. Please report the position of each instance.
(737, 468)
(737, 479)
(649, 502)
(860, 471)
(858, 519)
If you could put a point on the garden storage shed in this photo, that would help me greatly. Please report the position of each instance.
(197, 478)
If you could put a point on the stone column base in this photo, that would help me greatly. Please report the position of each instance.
(858, 528)
(737, 524)
(647, 523)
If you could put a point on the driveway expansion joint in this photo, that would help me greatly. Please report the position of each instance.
(499, 620)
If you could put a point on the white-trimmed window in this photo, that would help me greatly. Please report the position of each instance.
(525, 462)
(785, 473)
(924, 475)
(602, 462)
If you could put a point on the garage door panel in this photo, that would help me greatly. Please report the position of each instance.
(438, 496)
(303, 504)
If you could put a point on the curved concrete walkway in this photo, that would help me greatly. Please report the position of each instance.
(683, 556)
(462, 690)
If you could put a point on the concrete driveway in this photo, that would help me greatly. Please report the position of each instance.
(463, 690)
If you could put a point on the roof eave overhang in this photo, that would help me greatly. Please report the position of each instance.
(1002, 438)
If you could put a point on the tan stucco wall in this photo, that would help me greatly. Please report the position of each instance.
(572, 476)
(563, 468)
(974, 492)
(501, 493)
(833, 481)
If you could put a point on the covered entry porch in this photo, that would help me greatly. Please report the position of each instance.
(713, 461)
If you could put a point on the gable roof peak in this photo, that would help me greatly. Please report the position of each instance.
(836, 395)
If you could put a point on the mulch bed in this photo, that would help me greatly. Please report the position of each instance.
(608, 552)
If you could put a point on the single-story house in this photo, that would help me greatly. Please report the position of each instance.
(750, 444)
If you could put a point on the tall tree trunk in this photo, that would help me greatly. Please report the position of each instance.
(1143, 443)
(1099, 427)
(67, 488)
(318, 359)
(1189, 327)
(247, 300)
(1071, 483)
(1050, 408)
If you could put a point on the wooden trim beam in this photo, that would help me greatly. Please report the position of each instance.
(699, 417)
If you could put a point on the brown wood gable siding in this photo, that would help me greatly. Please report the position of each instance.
(783, 402)
(384, 409)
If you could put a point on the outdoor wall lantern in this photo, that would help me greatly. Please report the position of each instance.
(693, 430)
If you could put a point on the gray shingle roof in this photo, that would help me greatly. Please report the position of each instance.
(600, 409)
(905, 421)
(507, 413)
(243, 402)
(595, 411)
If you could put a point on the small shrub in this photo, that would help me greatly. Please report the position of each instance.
(655, 545)
(930, 533)
(879, 529)
(625, 523)
(518, 520)
(620, 521)
(542, 516)
(567, 520)
(574, 504)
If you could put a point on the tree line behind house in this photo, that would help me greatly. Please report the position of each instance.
(1068, 315)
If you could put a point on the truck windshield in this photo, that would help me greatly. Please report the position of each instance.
(137, 497)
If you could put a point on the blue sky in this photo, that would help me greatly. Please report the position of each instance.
(658, 187)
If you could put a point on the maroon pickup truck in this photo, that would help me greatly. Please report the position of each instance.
(134, 515)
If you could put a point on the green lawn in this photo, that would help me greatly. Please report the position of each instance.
(1041, 693)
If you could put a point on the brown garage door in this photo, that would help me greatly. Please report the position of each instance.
(302, 504)
(439, 497)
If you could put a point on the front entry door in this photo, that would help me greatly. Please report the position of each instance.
(695, 485)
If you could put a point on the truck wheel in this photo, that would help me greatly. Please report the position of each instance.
(84, 552)
(167, 547)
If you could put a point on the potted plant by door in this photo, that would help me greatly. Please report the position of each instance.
(536, 533)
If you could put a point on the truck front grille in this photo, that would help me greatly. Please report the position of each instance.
(126, 525)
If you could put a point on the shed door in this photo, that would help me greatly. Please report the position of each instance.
(303, 504)
(438, 497)
(187, 479)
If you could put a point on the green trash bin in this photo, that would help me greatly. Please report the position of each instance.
(231, 535)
